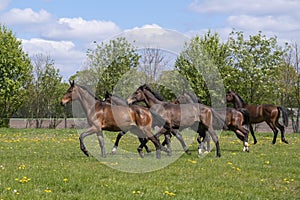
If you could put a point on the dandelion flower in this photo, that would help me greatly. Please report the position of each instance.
(66, 180)
(169, 193)
(47, 190)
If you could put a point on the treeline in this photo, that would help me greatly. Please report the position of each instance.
(256, 67)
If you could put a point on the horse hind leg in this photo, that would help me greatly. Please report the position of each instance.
(281, 128)
(101, 143)
(275, 131)
(115, 147)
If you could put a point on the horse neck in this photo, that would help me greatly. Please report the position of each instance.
(151, 99)
(118, 101)
(87, 101)
(239, 102)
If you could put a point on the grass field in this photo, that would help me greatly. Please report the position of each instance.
(48, 164)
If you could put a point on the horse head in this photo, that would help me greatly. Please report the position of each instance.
(70, 95)
(137, 96)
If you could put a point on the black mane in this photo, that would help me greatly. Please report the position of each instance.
(155, 94)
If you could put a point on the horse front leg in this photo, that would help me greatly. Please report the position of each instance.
(101, 143)
(179, 137)
(252, 133)
(81, 138)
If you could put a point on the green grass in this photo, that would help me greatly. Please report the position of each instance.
(48, 164)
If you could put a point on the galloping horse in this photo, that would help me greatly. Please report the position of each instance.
(115, 100)
(178, 116)
(260, 113)
(102, 116)
(235, 119)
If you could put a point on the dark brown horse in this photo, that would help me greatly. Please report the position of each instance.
(261, 113)
(102, 116)
(178, 116)
(235, 119)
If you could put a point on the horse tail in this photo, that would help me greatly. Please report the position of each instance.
(284, 116)
(245, 115)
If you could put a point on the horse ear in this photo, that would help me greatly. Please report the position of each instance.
(71, 82)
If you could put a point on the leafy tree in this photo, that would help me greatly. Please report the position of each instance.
(200, 62)
(45, 92)
(290, 84)
(15, 74)
(255, 62)
(107, 64)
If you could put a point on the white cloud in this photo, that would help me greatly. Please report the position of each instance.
(275, 23)
(78, 28)
(67, 58)
(257, 7)
(26, 16)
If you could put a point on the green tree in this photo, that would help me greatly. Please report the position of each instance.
(200, 63)
(44, 93)
(255, 63)
(15, 74)
(107, 64)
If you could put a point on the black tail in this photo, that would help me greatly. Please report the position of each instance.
(284, 116)
(245, 115)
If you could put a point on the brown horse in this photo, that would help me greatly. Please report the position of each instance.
(235, 119)
(178, 116)
(102, 116)
(260, 113)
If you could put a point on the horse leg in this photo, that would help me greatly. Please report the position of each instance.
(119, 136)
(145, 140)
(252, 133)
(214, 137)
(81, 138)
(179, 137)
(101, 143)
(242, 134)
(281, 128)
(275, 131)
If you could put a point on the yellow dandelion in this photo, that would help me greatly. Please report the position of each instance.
(8, 189)
(65, 180)
(238, 169)
(262, 180)
(169, 193)
(47, 190)
(267, 162)
(22, 166)
(192, 161)
(229, 163)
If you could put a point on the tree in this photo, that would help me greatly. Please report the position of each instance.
(200, 62)
(255, 63)
(107, 64)
(15, 74)
(290, 84)
(45, 92)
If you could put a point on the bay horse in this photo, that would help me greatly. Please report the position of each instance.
(178, 116)
(102, 116)
(261, 113)
(235, 119)
(157, 122)
(115, 100)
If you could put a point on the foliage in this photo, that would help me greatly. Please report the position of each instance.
(15, 69)
(108, 63)
(256, 63)
(46, 91)
(199, 62)
(48, 164)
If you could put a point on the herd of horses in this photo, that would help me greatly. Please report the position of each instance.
(117, 115)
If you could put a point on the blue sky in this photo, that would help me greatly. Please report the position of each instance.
(65, 29)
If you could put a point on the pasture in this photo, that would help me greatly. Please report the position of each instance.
(48, 164)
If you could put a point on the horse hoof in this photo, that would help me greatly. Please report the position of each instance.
(188, 152)
(285, 141)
